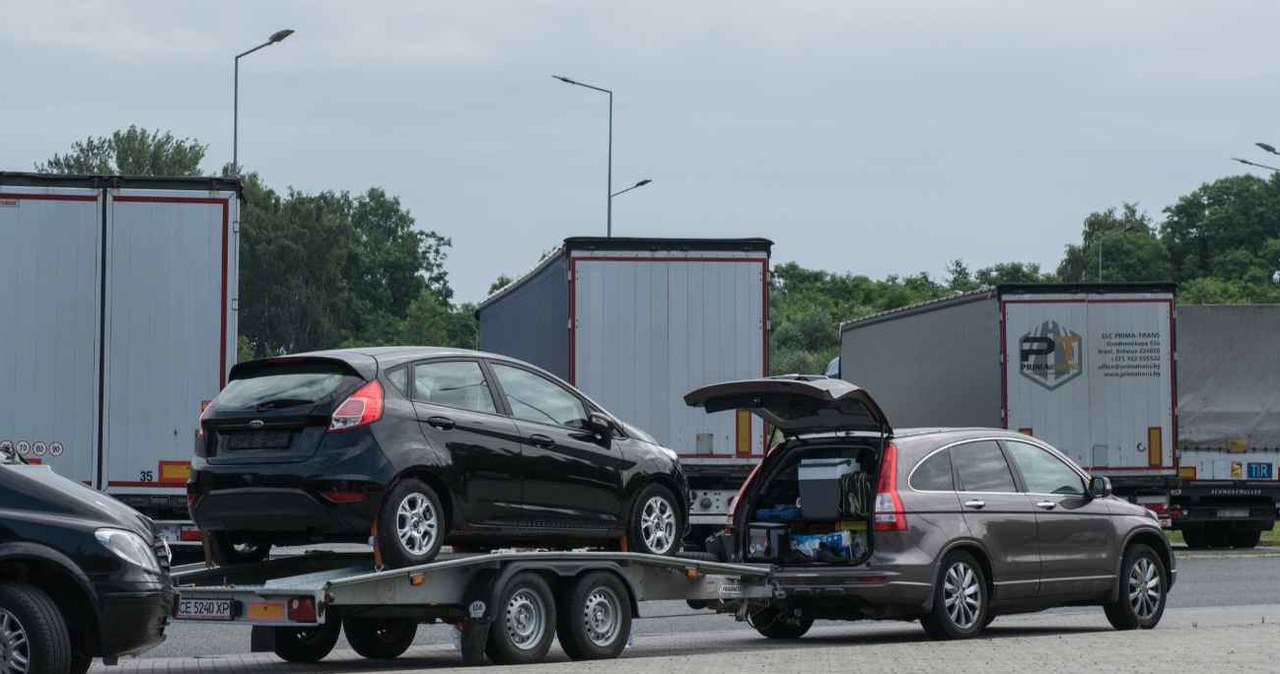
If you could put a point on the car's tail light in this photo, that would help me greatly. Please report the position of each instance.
(361, 409)
(889, 515)
(739, 500)
(336, 496)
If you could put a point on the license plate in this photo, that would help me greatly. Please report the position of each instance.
(256, 440)
(205, 609)
(1234, 512)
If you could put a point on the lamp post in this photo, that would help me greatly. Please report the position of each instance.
(235, 105)
(1246, 162)
(642, 183)
(609, 176)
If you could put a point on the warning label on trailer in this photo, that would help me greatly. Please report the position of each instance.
(1130, 354)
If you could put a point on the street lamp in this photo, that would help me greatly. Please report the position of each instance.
(1098, 239)
(642, 183)
(1268, 148)
(609, 177)
(235, 112)
(1246, 162)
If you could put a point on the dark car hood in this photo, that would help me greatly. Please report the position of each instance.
(797, 404)
(44, 491)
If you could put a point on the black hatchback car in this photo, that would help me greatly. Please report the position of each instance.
(415, 447)
(81, 574)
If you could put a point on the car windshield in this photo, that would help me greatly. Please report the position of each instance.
(285, 388)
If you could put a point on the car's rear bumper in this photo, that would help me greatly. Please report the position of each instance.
(283, 511)
(132, 622)
(873, 593)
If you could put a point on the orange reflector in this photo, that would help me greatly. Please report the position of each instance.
(265, 610)
(1187, 472)
(1025, 431)
(417, 579)
(742, 432)
(174, 472)
(691, 573)
(1155, 446)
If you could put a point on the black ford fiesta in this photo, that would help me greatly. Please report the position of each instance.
(421, 446)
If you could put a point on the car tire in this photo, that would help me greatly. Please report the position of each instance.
(1141, 571)
(380, 638)
(27, 612)
(411, 524)
(1246, 538)
(779, 623)
(229, 549)
(306, 644)
(594, 617)
(656, 523)
(960, 599)
(525, 624)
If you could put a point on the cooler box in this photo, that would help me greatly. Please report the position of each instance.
(820, 487)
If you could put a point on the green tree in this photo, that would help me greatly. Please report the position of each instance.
(499, 283)
(131, 152)
(1130, 249)
(1227, 229)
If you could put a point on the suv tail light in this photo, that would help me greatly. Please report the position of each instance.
(889, 515)
(361, 409)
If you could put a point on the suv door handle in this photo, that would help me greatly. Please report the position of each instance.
(442, 423)
(1046, 505)
(975, 504)
(540, 440)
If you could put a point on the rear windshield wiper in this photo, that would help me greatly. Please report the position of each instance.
(283, 402)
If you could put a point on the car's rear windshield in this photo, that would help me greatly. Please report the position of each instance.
(287, 386)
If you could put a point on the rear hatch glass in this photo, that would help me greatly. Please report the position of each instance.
(276, 411)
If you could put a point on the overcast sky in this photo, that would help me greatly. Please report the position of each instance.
(877, 138)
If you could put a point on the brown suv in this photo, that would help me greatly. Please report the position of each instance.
(949, 526)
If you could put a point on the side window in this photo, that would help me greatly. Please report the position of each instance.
(934, 473)
(1045, 473)
(536, 398)
(980, 466)
(399, 378)
(456, 383)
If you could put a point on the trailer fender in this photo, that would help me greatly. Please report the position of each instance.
(479, 603)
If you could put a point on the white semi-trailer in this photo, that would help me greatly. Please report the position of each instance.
(117, 322)
(1177, 406)
(636, 323)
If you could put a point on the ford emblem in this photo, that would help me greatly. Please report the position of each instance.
(257, 423)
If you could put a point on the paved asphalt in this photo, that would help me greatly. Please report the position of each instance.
(1217, 579)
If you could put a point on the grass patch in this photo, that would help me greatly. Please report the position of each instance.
(1271, 537)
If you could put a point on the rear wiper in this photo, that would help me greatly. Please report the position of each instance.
(283, 402)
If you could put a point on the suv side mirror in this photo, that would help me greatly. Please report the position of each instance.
(603, 427)
(1099, 487)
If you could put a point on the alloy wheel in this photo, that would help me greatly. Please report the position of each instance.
(658, 525)
(417, 524)
(1144, 588)
(962, 595)
(15, 650)
(525, 619)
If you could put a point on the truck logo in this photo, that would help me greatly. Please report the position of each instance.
(1050, 355)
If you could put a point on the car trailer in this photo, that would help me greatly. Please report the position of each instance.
(508, 605)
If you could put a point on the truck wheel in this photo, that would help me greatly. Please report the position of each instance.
(524, 627)
(1141, 597)
(1246, 538)
(380, 639)
(959, 599)
(410, 525)
(1195, 539)
(307, 644)
(656, 526)
(1218, 536)
(779, 623)
(33, 633)
(228, 548)
(595, 617)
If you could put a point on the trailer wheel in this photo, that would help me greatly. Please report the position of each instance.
(380, 639)
(1246, 538)
(33, 633)
(595, 617)
(307, 644)
(524, 626)
(1195, 538)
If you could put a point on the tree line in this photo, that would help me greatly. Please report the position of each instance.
(337, 269)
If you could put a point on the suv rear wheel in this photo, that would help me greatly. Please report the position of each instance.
(411, 524)
(778, 623)
(959, 599)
